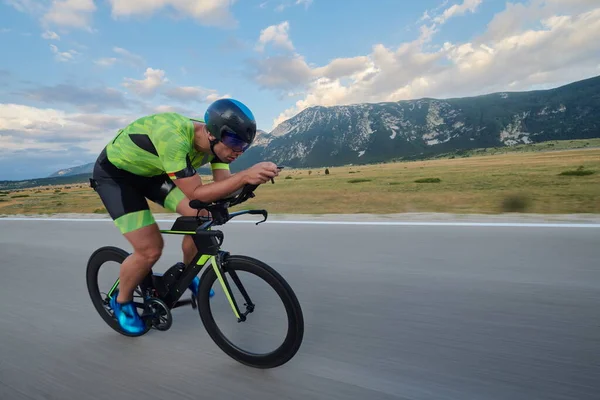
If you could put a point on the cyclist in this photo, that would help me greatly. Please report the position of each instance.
(156, 158)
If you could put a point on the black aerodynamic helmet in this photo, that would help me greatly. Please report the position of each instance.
(231, 123)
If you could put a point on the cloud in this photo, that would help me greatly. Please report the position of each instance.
(209, 12)
(50, 35)
(518, 17)
(282, 72)
(130, 58)
(154, 79)
(458, 9)
(32, 7)
(288, 3)
(70, 13)
(63, 56)
(277, 34)
(187, 94)
(428, 31)
(30, 128)
(106, 61)
(306, 3)
(515, 60)
(87, 99)
(52, 136)
(126, 57)
(156, 82)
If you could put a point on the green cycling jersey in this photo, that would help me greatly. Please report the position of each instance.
(160, 144)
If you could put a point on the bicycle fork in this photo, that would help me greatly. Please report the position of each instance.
(217, 267)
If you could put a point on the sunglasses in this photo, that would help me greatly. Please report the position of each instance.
(231, 140)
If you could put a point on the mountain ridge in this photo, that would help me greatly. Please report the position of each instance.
(409, 129)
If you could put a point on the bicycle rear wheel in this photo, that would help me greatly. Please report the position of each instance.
(294, 325)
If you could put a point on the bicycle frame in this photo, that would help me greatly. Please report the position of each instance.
(209, 253)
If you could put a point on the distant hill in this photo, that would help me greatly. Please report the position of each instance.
(60, 180)
(81, 169)
(417, 129)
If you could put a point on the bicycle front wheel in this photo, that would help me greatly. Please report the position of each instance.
(243, 276)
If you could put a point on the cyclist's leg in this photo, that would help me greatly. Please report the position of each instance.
(164, 192)
(127, 206)
(147, 243)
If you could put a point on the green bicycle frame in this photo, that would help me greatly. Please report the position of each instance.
(209, 252)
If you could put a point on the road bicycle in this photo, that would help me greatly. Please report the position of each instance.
(161, 293)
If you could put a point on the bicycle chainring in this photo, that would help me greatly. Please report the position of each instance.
(158, 314)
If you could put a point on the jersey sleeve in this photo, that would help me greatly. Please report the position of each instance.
(173, 145)
(216, 163)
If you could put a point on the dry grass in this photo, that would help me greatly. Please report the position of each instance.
(527, 182)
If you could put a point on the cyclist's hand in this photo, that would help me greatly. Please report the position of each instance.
(261, 173)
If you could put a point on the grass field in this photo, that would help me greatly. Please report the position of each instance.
(512, 182)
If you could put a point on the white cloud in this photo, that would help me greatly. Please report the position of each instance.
(154, 79)
(458, 9)
(70, 13)
(106, 61)
(455, 10)
(27, 6)
(189, 94)
(207, 12)
(88, 99)
(289, 3)
(125, 56)
(63, 56)
(129, 57)
(50, 35)
(559, 49)
(520, 16)
(306, 3)
(24, 127)
(277, 34)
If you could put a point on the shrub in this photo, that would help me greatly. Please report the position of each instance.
(580, 171)
(359, 180)
(428, 180)
(326, 171)
(515, 203)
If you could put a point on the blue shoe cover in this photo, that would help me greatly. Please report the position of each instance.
(127, 315)
(195, 285)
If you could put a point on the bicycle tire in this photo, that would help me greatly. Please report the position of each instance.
(291, 344)
(96, 260)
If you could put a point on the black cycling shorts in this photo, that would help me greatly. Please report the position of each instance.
(124, 194)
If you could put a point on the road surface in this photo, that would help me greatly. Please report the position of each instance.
(392, 312)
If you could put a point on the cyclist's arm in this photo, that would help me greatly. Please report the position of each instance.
(193, 187)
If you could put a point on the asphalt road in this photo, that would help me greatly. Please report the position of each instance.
(392, 312)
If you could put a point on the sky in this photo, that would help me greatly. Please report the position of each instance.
(72, 72)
